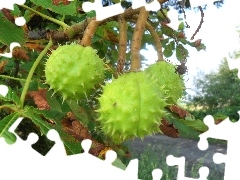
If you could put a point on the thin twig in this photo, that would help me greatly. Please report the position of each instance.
(200, 24)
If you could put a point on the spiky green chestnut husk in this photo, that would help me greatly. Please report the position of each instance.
(131, 106)
(73, 71)
(166, 77)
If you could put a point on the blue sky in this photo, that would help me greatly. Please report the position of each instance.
(218, 33)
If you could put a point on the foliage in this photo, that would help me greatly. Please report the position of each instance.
(118, 42)
(217, 93)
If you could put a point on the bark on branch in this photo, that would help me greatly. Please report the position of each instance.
(137, 39)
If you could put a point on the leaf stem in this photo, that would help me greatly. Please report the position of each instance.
(13, 108)
(13, 78)
(28, 80)
(60, 23)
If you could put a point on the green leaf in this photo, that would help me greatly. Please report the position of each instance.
(118, 163)
(53, 102)
(167, 31)
(62, 9)
(181, 26)
(100, 32)
(179, 51)
(11, 97)
(91, 14)
(53, 114)
(172, 45)
(79, 112)
(111, 25)
(16, 11)
(17, 33)
(5, 124)
(34, 115)
(183, 41)
(184, 130)
(167, 53)
(194, 124)
(71, 145)
(147, 38)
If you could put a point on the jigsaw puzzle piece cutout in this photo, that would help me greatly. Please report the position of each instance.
(3, 90)
(91, 167)
(157, 174)
(219, 158)
(216, 131)
(152, 6)
(58, 149)
(102, 12)
(19, 145)
(115, 9)
(12, 46)
(20, 21)
(17, 155)
(231, 164)
(110, 156)
(180, 162)
(231, 160)
(221, 131)
(9, 4)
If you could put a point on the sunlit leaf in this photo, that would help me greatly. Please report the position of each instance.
(17, 33)
(181, 26)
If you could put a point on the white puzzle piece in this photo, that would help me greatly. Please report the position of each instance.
(229, 131)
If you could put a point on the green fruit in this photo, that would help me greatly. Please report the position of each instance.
(73, 71)
(131, 106)
(167, 78)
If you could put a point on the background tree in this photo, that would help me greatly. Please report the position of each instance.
(216, 93)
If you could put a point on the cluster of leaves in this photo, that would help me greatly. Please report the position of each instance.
(50, 23)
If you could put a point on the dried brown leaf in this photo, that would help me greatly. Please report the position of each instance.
(20, 53)
(168, 129)
(2, 65)
(39, 98)
(57, 2)
(73, 127)
(179, 111)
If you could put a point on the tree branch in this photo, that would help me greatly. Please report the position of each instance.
(156, 38)
(122, 43)
(89, 32)
(137, 39)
